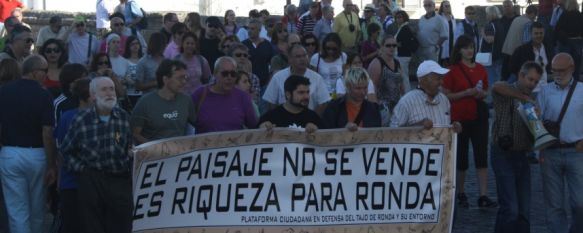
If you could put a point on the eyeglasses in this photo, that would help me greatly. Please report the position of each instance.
(229, 73)
(241, 55)
(390, 45)
(52, 50)
(28, 40)
(118, 24)
(307, 44)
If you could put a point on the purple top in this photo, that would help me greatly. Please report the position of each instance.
(196, 74)
(367, 48)
(232, 111)
(172, 50)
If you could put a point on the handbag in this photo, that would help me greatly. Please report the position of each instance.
(554, 127)
(483, 58)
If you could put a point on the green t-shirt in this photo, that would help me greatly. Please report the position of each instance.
(160, 118)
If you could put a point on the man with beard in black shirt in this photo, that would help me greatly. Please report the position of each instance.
(294, 113)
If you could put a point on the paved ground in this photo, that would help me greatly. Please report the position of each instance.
(476, 220)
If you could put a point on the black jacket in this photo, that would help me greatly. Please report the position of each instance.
(525, 53)
(335, 115)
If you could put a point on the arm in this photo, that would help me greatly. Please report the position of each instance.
(374, 71)
(137, 135)
(320, 109)
(504, 89)
(141, 84)
(51, 154)
(459, 95)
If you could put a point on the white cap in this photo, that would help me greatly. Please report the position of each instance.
(428, 67)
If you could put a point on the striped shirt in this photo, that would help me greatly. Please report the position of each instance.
(415, 106)
(306, 24)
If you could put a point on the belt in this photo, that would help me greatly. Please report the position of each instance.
(563, 145)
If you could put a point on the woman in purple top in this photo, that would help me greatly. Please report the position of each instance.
(197, 67)
(369, 48)
(173, 48)
(221, 106)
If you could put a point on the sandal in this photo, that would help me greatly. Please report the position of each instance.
(462, 200)
(485, 202)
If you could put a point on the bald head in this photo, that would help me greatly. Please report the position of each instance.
(563, 59)
(563, 67)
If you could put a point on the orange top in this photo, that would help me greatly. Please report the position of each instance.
(352, 111)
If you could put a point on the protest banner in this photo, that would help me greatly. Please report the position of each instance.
(372, 180)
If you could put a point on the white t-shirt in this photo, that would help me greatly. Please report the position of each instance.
(79, 47)
(330, 72)
(275, 93)
(119, 66)
(341, 89)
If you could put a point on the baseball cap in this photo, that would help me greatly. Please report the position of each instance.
(369, 7)
(428, 67)
(79, 19)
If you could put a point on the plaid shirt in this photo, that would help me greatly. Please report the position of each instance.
(509, 123)
(94, 144)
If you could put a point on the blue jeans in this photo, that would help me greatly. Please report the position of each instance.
(512, 172)
(560, 168)
(22, 171)
(494, 71)
(573, 47)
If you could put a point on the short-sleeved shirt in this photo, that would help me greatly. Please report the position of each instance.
(160, 118)
(6, 8)
(330, 71)
(415, 106)
(223, 112)
(275, 93)
(146, 70)
(197, 71)
(280, 117)
(45, 33)
(67, 179)
(79, 48)
(431, 30)
(464, 109)
(26, 108)
(119, 65)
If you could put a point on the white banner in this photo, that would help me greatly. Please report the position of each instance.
(281, 184)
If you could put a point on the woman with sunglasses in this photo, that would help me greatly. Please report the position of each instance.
(198, 71)
(466, 85)
(329, 61)
(226, 43)
(386, 75)
(240, 53)
(231, 27)
(173, 48)
(278, 34)
(54, 52)
(310, 42)
(133, 54)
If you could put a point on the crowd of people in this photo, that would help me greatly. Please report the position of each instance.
(77, 99)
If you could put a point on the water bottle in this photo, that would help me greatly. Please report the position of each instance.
(480, 85)
(332, 81)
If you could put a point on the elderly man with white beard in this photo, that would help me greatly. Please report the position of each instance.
(97, 148)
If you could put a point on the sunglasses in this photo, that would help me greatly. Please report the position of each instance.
(52, 50)
(241, 55)
(229, 73)
(29, 40)
(118, 24)
(390, 45)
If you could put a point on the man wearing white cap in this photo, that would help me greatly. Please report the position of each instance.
(425, 106)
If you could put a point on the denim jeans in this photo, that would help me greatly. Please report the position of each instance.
(560, 168)
(22, 171)
(573, 47)
(512, 172)
(494, 71)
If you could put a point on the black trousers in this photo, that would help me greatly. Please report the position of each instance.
(69, 211)
(105, 202)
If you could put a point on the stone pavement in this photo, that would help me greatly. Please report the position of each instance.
(478, 220)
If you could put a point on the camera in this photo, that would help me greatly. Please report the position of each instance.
(505, 142)
(351, 27)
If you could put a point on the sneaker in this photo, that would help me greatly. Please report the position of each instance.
(485, 202)
(462, 200)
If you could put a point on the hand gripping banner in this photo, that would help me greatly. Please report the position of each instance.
(286, 181)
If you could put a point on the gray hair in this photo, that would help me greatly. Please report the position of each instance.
(222, 60)
(493, 12)
(93, 84)
(355, 75)
(327, 8)
(32, 63)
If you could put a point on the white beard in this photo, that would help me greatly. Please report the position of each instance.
(101, 102)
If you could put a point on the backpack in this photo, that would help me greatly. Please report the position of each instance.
(143, 23)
